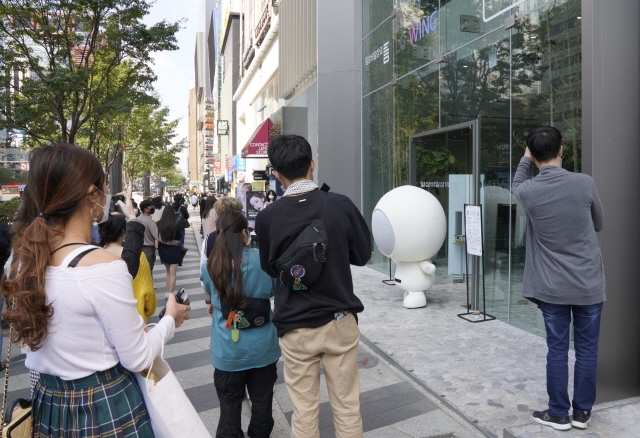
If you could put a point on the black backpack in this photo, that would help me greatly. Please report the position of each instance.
(301, 264)
(182, 222)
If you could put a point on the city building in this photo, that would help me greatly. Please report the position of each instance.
(193, 137)
(450, 89)
(441, 94)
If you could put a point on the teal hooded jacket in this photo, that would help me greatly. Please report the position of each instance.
(257, 347)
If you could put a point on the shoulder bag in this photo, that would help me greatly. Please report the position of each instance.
(301, 263)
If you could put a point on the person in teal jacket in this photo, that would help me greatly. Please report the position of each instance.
(244, 343)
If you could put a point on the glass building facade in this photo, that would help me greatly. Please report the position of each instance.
(450, 89)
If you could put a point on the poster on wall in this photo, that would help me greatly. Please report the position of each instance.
(241, 194)
(255, 204)
(257, 186)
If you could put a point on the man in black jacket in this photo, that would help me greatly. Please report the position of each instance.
(318, 323)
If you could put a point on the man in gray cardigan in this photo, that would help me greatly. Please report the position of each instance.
(563, 272)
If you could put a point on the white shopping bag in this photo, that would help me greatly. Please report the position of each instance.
(172, 414)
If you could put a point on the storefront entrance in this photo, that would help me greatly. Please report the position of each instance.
(445, 162)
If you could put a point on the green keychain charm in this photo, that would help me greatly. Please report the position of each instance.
(235, 333)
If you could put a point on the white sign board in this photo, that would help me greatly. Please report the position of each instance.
(473, 229)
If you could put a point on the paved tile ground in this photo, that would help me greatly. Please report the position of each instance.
(492, 373)
(394, 404)
(424, 372)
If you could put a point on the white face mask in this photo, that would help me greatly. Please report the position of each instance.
(271, 197)
(105, 209)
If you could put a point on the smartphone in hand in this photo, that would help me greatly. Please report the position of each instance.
(114, 202)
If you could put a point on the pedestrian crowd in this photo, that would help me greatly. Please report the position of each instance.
(80, 304)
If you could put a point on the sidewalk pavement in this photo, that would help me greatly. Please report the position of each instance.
(423, 372)
(393, 403)
(492, 373)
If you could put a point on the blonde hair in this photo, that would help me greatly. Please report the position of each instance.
(225, 204)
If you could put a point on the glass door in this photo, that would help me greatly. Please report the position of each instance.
(444, 162)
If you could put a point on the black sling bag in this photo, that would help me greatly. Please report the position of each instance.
(257, 313)
(301, 264)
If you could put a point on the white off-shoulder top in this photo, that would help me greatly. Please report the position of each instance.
(95, 322)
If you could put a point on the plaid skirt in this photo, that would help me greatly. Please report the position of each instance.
(105, 404)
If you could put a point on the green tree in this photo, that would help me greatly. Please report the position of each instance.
(174, 177)
(8, 209)
(7, 176)
(148, 143)
(62, 59)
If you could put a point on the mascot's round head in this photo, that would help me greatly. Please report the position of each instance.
(409, 224)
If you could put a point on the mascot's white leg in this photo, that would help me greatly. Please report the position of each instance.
(414, 300)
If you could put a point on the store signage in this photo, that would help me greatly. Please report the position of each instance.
(259, 175)
(242, 163)
(433, 184)
(223, 127)
(423, 28)
(382, 50)
(224, 24)
(264, 23)
(229, 176)
(217, 165)
(217, 157)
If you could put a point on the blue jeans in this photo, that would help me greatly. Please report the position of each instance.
(181, 239)
(586, 332)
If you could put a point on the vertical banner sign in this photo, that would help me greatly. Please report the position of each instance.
(473, 229)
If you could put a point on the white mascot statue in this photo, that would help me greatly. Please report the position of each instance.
(409, 226)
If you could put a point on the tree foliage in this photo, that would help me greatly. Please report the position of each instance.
(70, 64)
(8, 209)
(147, 143)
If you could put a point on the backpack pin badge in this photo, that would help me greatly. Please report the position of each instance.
(235, 333)
(297, 272)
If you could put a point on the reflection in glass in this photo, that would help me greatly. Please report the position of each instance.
(510, 81)
(442, 163)
(377, 156)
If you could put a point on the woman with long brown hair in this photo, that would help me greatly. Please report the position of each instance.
(72, 304)
(244, 344)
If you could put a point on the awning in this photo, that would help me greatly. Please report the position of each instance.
(257, 146)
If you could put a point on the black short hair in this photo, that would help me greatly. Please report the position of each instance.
(157, 202)
(290, 156)
(544, 143)
(111, 230)
(178, 198)
(145, 204)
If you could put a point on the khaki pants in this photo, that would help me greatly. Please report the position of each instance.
(336, 345)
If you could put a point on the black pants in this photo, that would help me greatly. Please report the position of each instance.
(150, 253)
(230, 387)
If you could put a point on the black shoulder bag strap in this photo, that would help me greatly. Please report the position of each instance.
(73, 263)
(322, 206)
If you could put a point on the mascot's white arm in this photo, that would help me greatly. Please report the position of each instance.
(427, 267)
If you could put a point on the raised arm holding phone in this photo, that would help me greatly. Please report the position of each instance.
(72, 304)
(564, 273)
